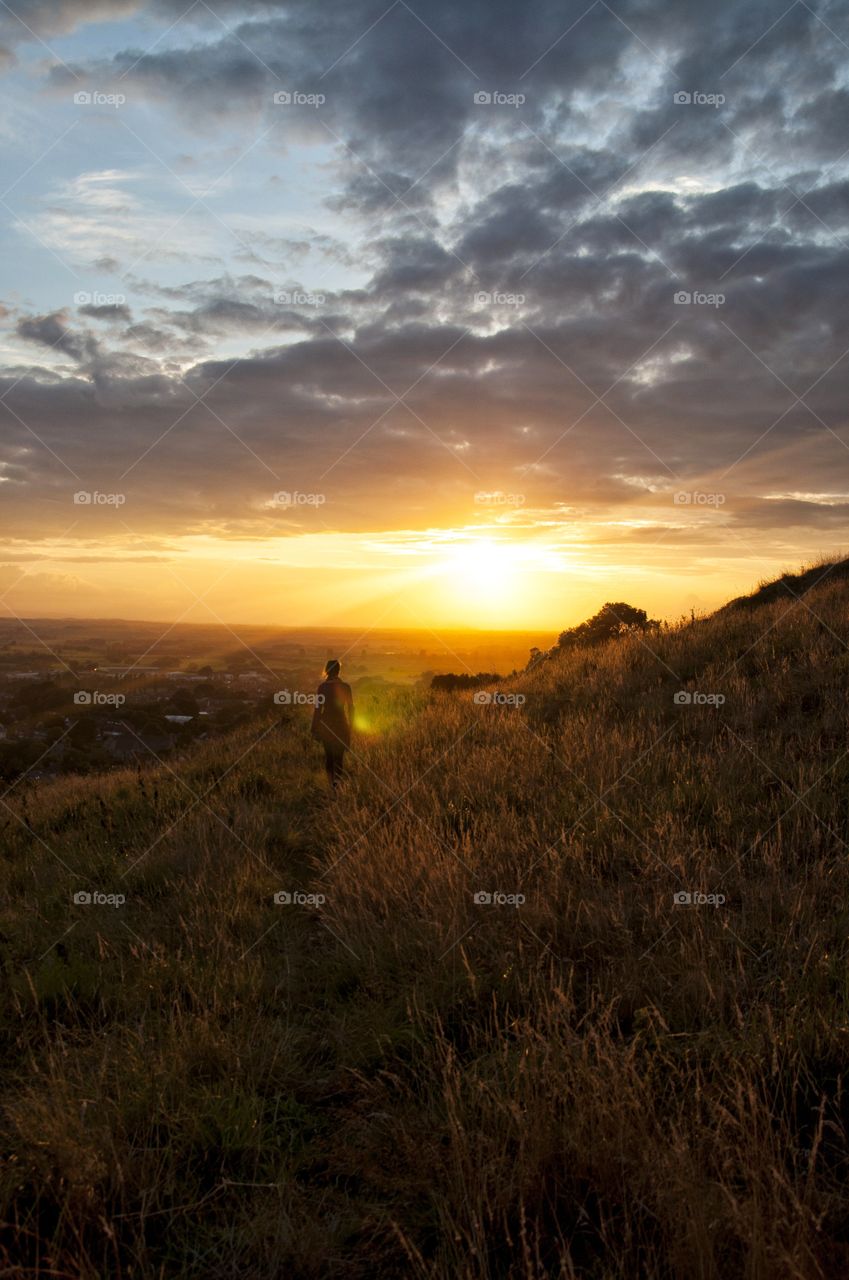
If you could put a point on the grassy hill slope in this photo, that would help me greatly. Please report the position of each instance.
(792, 586)
(598, 1081)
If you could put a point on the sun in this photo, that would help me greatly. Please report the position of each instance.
(481, 577)
(474, 578)
(480, 563)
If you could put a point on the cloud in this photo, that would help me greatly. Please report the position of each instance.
(52, 331)
(496, 307)
(107, 311)
(104, 217)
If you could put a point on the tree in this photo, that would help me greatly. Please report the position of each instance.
(537, 656)
(41, 695)
(83, 732)
(612, 620)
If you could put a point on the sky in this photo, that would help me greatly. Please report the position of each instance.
(419, 314)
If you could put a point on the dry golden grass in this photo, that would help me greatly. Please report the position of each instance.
(598, 1082)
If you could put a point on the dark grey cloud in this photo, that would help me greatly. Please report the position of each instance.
(110, 312)
(402, 93)
(54, 332)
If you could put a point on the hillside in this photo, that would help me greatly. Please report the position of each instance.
(578, 1077)
(792, 586)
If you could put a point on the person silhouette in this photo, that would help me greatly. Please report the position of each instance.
(332, 720)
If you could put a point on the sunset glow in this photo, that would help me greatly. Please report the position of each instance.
(446, 578)
(308, 323)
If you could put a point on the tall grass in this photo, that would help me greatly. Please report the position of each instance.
(399, 1079)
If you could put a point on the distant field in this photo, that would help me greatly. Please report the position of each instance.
(48, 642)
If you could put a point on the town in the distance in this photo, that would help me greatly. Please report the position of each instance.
(81, 696)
